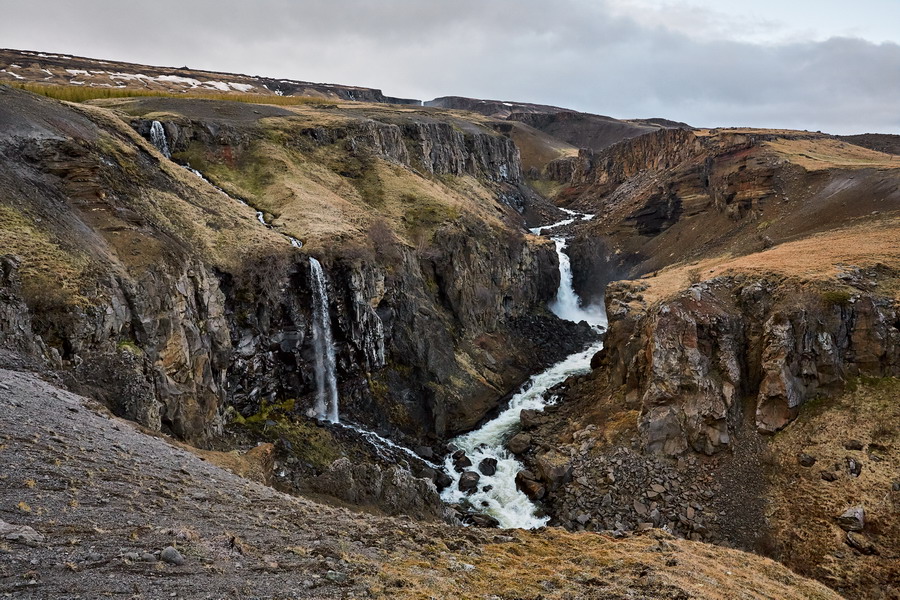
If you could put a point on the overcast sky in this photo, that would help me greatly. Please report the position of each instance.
(832, 65)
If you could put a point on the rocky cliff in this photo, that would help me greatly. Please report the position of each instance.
(177, 301)
(689, 362)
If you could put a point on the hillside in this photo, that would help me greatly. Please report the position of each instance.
(754, 294)
(91, 504)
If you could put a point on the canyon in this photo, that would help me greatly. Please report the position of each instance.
(336, 339)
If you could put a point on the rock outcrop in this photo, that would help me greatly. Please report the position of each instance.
(688, 362)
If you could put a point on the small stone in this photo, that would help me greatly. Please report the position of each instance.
(853, 445)
(852, 519)
(148, 557)
(829, 476)
(806, 460)
(860, 542)
(854, 467)
(172, 556)
(641, 508)
(336, 576)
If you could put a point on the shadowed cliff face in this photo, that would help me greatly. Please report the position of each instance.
(169, 299)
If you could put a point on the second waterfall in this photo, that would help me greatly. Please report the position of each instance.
(326, 380)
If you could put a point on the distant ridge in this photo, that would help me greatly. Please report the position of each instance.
(65, 69)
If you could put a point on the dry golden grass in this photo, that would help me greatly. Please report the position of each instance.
(828, 153)
(816, 257)
(71, 93)
(554, 564)
(802, 506)
(44, 262)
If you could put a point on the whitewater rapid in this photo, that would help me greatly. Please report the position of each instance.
(497, 494)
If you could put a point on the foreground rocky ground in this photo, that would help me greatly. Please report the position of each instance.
(92, 507)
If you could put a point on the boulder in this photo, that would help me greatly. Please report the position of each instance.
(528, 484)
(488, 466)
(480, 520)
(555, 469)
(519, 443)
(442, 481)
(461, 462)
(530, 418)
(853, 445)
(468, 482)
(852, 519)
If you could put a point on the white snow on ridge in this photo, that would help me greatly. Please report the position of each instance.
(77, 71)
(11, 73)
(241, 87)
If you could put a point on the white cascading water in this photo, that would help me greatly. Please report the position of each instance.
(326, 380)
(567, 304)
(497, 494)
(158, 138)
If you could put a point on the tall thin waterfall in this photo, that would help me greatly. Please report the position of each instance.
(326, 381)
(158, 138)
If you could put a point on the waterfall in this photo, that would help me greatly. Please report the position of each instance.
(158, 138)
(326, 381)
(497, 494)
(567, 304)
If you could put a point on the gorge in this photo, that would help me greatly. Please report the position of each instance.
(359, 348)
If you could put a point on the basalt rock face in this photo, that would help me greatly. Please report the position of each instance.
(688, 362)
(176, 303)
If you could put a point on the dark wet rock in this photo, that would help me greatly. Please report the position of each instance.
(461, 462)
(488, 466)
(829, 476)
(482, 520)
(853, 445)
(468, 481)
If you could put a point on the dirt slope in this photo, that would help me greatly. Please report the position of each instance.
(103, 497)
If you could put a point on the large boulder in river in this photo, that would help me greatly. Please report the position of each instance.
(461, 462)
(468, 481)
(488, 466)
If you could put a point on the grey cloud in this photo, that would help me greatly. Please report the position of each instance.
(575, 53)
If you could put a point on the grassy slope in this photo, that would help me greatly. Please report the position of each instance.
(802, 506)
